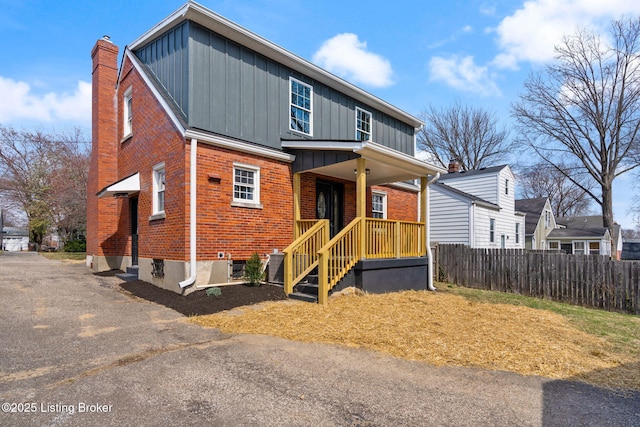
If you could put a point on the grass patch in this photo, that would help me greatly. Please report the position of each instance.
(65, 256)
(622, 331)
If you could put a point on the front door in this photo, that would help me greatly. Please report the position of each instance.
(330, 204)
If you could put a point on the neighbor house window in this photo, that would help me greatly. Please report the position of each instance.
(363, 125)
(379, 205)
(506, 186)
(594, 248)
(301, 103)
(554, 246)
(246, 185)
(578, 248)
(517, 232)
(547, 219)
(492, 230)
(127, 114)
(158, 189)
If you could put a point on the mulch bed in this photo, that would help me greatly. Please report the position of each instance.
(198, 303)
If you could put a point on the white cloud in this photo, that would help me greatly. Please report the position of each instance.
(20, 103)
(348, 57)
(462, 73)
(531, 33)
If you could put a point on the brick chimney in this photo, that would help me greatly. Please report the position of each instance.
(101, 213)
(454, 166)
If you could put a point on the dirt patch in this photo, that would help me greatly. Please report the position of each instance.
(199, 303)
(445, 329)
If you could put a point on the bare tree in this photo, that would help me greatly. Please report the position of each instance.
(469, 135)
(585, 107)
(543, 180)
(44, 176)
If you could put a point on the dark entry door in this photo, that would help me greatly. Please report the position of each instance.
(330, 204)
(133, 210)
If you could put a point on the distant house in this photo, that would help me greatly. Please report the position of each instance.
(586, 231)
(477, 208)
(211, 143)
(539, 221)
(15, 239)
(630, 249)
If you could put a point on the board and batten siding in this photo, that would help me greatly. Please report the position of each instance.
(449, 217)
(223, 87)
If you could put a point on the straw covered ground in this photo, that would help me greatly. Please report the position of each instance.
(444, 329)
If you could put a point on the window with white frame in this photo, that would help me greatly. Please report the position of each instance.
(492, 230)
(158, 189)
(554, 246)
(506, 186)
(517, 232)
(127, 114)
(578, 248)
(379, 205)
(594, 248)
(246, 185)
(547, 219)
(301, 107)
(363, 125)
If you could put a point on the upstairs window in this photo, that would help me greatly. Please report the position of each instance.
(517, 232)
(158, 189)
(301, 102)
(379, 205)
(506, 187)
(363, 125)
(127, 114)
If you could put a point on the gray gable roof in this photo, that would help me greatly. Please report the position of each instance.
(470, 197)
(533, 208)
(474, 172)
(579, 233)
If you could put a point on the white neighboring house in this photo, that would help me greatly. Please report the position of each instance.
(15, 239)
(476, 208)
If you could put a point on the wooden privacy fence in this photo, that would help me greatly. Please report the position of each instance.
(587, 280)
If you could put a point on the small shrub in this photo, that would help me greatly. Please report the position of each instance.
(253, 273)
(75, 246)
(214, 292)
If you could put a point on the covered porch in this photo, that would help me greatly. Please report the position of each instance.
(378, 249)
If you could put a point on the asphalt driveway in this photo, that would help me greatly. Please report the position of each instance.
(77, 351)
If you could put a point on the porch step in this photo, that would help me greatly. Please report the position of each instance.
(303, 297)
(306, 291)
(130, 275)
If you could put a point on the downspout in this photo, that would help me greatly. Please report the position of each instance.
(429, 252)
(193, 159)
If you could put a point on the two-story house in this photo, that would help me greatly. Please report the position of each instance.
(476, 208)
(211, 143)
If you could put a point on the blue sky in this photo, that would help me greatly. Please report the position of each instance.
(411, 53)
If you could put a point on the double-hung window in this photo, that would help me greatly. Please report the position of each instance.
(127, 114)
(158, 189)
(517, 232)
(246, 185)
(492, 230)
(363, 125)
(379, 205)
(301, 107)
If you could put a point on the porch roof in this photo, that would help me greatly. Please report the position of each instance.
(125, 187)
(384, 165)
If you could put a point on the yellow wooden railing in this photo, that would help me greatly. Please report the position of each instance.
(337, 257)
(302, 226)
(394, 239)
(301, 256)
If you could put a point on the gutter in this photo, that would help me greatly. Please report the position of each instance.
(192, 214)
(429, 252)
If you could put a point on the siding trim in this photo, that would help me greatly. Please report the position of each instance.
(232, 144)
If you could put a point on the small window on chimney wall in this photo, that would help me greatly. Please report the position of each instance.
(127, 114)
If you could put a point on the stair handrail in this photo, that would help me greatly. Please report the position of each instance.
(337, 257)
(301, 256)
